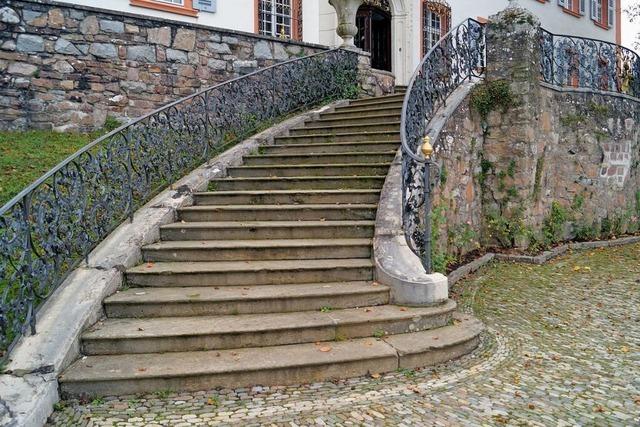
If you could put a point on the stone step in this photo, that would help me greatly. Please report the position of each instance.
(277, 212)
(358, 119)
(333, 148)
(320, 159)
(353, 169)
(273, 365)
(286, 197)
(242, 273)
(256, 250)
(315, 128)
(377, 101)
(203, 370)
(326, 138)
(258, 230)
(358, 112)
(167, 334)
(300, 183)
(231, 300)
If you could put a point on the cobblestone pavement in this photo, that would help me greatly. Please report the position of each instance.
(562, 348)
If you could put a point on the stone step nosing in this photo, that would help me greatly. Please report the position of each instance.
(312, 166)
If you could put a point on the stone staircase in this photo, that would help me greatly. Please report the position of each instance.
(268, 278)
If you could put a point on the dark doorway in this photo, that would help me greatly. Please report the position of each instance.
(374, 35)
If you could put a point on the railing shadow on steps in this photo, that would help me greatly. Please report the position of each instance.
(457, 57)
(50, 227)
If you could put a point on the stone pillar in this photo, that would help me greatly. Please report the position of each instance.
(511, 148)
(346, 10)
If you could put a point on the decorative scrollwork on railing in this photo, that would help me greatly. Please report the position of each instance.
(456, 58)
(587, 63)
(51, 226)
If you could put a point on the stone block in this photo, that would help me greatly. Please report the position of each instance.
(63, 67)
(160, 35)
(109, 26)
(279, 52)
(66, 47)
(217, 64)
(29, 43)
(32, 17)
(142, 53)
(8, 45)
(56, 18)
(185, 39)
(174, 55)
(103, 50)
(131, 29)
(219, 48)
(90, 25)
(262, 50)
(22, 68)
(9, 16)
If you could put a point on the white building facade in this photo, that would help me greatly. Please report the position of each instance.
(396, 32)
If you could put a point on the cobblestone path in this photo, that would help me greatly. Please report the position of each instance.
(562, 348)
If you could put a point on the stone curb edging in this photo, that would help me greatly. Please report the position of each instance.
(543, 258)
(28, 385)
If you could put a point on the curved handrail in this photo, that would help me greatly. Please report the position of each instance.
(457, 57)
(583, 62)
(52, 225)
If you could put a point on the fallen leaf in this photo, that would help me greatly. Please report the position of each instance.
(375, 376)
(141, 329)
(325, 349)
(142, 369)
(367, 310)
(598, 408)
(532, 406)
(624, 349)
(403, 308)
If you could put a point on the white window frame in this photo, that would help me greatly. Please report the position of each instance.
(431, 33)
(172, 2)
(268, 14)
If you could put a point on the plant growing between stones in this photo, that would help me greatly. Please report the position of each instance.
(491, 96)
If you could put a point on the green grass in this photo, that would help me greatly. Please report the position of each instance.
(27, 155)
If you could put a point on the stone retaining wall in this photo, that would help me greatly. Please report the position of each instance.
(69, 67)
(552, 164)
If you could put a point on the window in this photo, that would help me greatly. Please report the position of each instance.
(573, 7)
(181, 7)
(280, 18)
(436, 21)
(603, 12)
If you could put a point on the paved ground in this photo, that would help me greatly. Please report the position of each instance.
(563, 348)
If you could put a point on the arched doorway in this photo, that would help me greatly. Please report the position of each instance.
(374, 32)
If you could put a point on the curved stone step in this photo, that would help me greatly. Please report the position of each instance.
(357, 169)
(300, 183)
(278, 212)
(370, 117)
(227, 300)
(273, 365)
(377, 101)
(355, 112)
(286, 197)
(258, 230)
(249, 250)
(315, 128)
(166, 334)
(332, 147)
(385, 157)
(325, 137)
(239, 273)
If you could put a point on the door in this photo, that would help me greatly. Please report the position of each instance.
(374, 35)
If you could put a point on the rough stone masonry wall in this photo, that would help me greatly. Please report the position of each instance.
(550, 166)
(69, 67)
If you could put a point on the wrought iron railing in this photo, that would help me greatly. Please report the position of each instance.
(51, 226)
(587, 63)
(456, 58)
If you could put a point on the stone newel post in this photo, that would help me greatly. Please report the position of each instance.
(512, 144)
(346, 10)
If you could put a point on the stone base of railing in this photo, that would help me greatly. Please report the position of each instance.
(396, 265)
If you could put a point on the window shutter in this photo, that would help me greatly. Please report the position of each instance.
(562, 3)
(611, 12)
(583, 7)
(206, 5)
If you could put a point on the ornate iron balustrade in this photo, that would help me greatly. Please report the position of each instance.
(51, 226)
(587, 63)
(456, 58)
